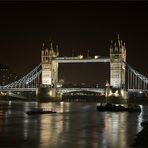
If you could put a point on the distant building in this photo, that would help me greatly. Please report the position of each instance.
(6, 75)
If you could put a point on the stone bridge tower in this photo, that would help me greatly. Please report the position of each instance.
(49, 77)
(117, 64)
(49, 67)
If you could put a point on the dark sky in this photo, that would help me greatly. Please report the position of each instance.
(72, 25)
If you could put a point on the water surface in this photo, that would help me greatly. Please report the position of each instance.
(75, 125)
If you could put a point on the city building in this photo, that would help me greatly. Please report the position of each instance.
(6, 75)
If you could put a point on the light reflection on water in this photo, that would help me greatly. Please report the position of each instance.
(75, 125)
(140, 119)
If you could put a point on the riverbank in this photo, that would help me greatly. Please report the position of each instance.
(141, 139)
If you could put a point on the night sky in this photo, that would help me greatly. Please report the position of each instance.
(78, 26)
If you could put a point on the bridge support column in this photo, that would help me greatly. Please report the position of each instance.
(45, 94)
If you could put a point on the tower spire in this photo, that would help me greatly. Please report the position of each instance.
(43, 45)
(111, 46)
(119, 40)
(111, 43)
(51, 46)
(57, 50)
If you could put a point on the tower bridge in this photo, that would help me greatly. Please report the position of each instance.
(45, 75)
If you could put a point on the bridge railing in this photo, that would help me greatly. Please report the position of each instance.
(135, 80)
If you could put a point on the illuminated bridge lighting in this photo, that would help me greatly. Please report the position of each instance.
(79, 60)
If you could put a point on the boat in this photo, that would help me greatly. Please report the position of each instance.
(118, 107)
(39, 111)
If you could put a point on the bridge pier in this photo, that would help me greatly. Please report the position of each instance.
(116, 95)
(47, 94)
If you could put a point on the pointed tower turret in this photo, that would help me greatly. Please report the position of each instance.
(119, 44)
(57, 50)
(51, 46)
(111, 46)
(43, 45)
(115, 48)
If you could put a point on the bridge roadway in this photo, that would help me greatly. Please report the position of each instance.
(81, 60)
(60, 90)
(67, 90)
(137, 90)
(17, 89)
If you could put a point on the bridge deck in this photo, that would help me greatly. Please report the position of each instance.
(79, 60)
(18, 89)
(63, 90)
(66, 90)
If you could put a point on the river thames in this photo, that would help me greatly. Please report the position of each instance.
(75, 125)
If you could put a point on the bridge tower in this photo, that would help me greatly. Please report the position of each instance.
(49, 67)
(49, 78)
(117, 64)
